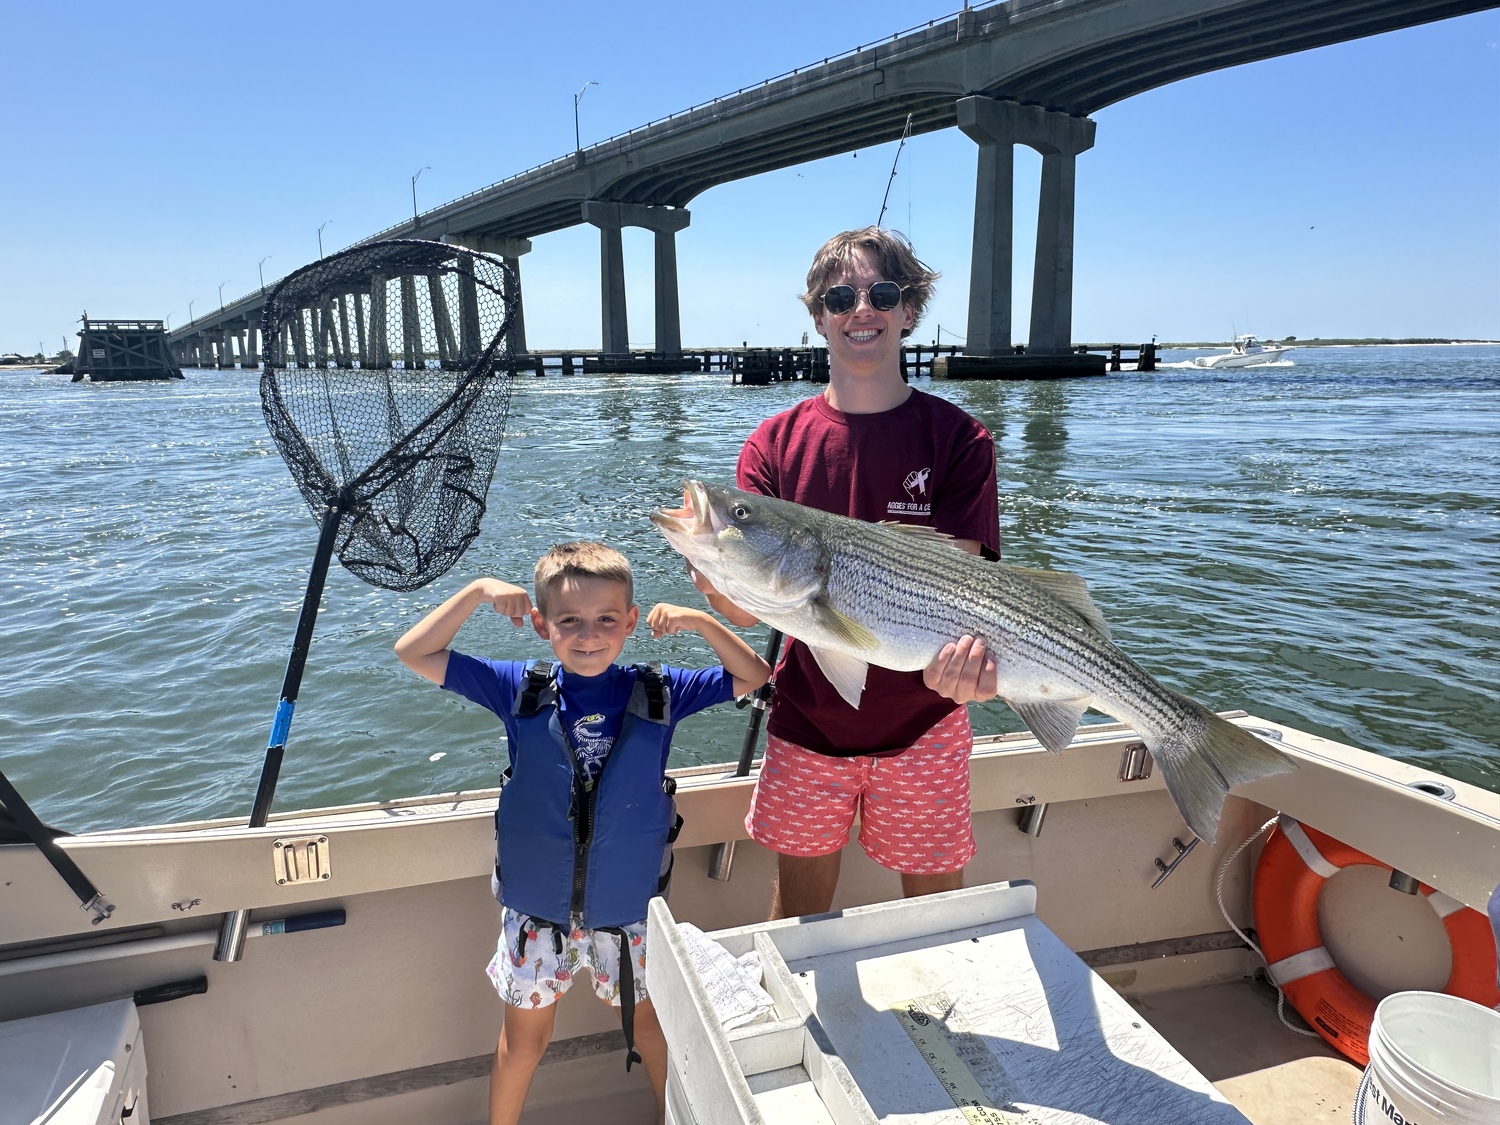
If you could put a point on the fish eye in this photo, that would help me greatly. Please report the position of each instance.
(740, 512)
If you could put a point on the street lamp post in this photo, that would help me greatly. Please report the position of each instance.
(260, 266)
(221, 295)
(416, 220)
(320, 240)
(578, 97)
(191, 317)
(169, 322)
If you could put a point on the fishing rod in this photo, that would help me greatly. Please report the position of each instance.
(723, 858)
(45, 839)
(906, 132)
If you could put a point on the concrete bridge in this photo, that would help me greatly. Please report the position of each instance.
(1021, 72)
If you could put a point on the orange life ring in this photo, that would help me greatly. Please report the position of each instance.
(1296, 862)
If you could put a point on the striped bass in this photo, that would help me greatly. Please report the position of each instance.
(893, 595)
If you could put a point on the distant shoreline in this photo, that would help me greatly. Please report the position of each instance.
(1174, 346)
(1335, 342)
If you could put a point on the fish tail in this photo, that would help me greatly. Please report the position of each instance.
(1206, 757)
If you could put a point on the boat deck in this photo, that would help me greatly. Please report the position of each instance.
(1231, 1035)
(1229, 1032)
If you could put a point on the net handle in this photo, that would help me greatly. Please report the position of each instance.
(231, 941)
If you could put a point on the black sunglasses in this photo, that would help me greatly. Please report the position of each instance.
(883, 297)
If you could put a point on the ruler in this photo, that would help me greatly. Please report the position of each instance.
(967, 1069)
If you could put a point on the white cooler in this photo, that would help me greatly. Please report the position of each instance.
(82, 1067)
(951, 1009)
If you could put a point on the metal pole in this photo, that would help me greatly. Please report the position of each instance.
(320, 240)
(261, 267)
(722, 859)
(231, 943)
(578, 97)
(221, 295)
(415, 218)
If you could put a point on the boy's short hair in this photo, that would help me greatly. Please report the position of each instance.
(894, 257)
(581, 559)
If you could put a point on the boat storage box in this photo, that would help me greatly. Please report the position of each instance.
(956, 1008)
(86, 1066)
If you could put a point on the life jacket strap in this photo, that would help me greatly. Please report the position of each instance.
(649, 676)
(539, 678)
(538, 923)
(627, 993)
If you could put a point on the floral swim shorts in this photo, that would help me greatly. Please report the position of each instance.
(536, 962)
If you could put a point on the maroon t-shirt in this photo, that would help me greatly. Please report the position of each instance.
(925, 462)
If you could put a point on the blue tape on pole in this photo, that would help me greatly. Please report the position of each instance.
(318, 921)
(283, 722)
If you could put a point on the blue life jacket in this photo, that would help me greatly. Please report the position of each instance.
(576, 853)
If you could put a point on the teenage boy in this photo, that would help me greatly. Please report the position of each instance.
(873, 448)
(586, 818)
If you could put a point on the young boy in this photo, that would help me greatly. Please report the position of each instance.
(586, 815)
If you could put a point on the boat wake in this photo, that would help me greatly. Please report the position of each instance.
(1189, 365)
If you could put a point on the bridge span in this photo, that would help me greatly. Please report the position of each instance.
(1023, 72)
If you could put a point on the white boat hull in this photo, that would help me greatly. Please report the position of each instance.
(387, 1019)
(1243, 359)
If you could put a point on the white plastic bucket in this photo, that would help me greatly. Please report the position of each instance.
(1434, 1060)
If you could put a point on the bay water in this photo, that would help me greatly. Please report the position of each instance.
(1316, 543)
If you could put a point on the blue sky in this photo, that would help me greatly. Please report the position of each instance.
(155, 150)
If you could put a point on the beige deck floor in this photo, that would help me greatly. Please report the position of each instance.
(1230, 1033)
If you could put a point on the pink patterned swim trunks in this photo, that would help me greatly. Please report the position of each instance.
(913, 807)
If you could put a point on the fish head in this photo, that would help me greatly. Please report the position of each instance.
(760, 552)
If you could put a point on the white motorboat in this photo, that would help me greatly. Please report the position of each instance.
(1087, 974)
(1245, 352)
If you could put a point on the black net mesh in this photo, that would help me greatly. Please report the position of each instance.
(387, 382)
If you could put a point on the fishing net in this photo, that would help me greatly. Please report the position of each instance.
(387, 382)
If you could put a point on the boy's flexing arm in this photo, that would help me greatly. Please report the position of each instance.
(424, 647)
(747, 668)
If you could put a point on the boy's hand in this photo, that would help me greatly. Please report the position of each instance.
(509, 601)
(665, 619)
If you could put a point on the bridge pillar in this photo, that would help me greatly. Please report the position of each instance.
(996, 126)
(509, 250)
(251, 354)
(616, 325)
(665, 222)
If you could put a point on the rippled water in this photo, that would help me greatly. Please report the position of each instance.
(1315, 543)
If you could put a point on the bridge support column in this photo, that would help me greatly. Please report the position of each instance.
(996, 126)
(1052, 281)
(615, 323)
(251, 354)
(665, 222)
(510, 251)
(990, 263)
